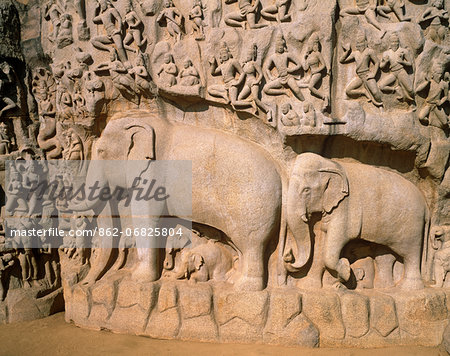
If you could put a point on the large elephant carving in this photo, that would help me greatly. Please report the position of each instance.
(236, 188)
(355, 201)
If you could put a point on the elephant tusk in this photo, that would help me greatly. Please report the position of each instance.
(304, 218)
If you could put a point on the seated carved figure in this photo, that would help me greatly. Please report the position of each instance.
(364, 84)
(280, 61)
(393, 6)
(366, 8)
(246, 14)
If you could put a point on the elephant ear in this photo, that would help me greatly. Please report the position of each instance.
(197, 261)
(141, 144)
(336, 188)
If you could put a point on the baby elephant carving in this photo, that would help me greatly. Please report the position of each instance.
(209, 261)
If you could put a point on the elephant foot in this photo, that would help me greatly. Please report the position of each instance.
(310, 283)
(411, 284)
(343, 269)
(246, 283)
(141, 274)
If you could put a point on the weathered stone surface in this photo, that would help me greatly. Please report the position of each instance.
(285, 325)
(195, 300)
(383, 314)
(80, 304)
(324, 310)
(355, 314)
(104, 293)
(130, 319)
(131, 293)
(422, 315)
(164, 321)
(250, 307)
(200, 328)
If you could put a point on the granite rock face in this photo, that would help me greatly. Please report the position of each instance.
(315, 206)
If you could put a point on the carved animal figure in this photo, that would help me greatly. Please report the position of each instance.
(236, 188)
(356, 202)
(208, 261)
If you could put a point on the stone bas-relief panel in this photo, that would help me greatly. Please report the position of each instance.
(318, 135)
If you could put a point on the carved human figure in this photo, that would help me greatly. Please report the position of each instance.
(189, 75)
(366, 8)
(65, 38)
(228, 68)
(65, 103)
(108, 16)
(5, 140)
(314, 62)
(168, 71)
(438, 94)
(53, 12)
(74, 146)
(246, 14)
(436, 9)
(436, 32)
(135, 27)
(397, 7)
(213, 12)
(251, 77)
(79, 103)
(396, 59)
(83, 29)
(288, 115)
(6, 262)
(16, 194)
(81, 243)
(278, 11)
(8, 102)
(364, 84)
(196, 16)
(141, 75)
(173, 19)
(440, 241)
(26, 253)
(95, 92)
(280, 61)
(308, 116)
(120, 77)
(50, 259)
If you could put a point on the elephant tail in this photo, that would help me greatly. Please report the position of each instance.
(427, 259)
(281, 269)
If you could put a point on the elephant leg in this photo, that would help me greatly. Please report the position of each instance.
(147, 268)
(412, 278)
(385, 268)
(252, 268)
(334, 243)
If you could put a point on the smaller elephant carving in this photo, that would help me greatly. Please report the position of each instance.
(209, 261)
(355, 202)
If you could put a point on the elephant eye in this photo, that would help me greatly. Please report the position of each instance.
(306, 190)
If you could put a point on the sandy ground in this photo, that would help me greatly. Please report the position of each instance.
(53, 336)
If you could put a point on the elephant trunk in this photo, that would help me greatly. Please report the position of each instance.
(297, 217)
(95, 178)
(169, 260)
